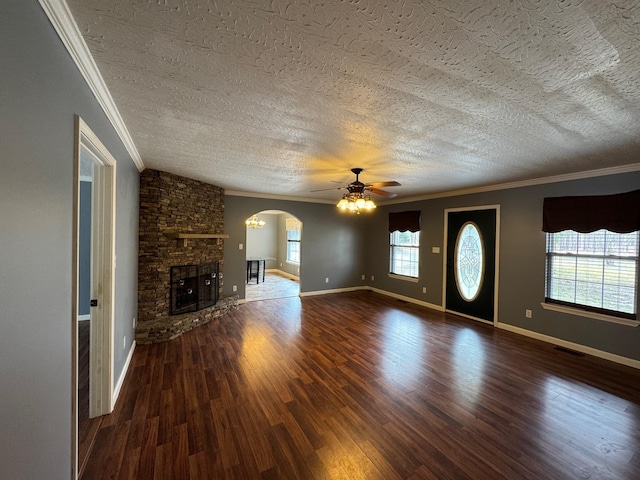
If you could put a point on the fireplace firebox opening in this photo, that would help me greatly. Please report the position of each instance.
(194, 287)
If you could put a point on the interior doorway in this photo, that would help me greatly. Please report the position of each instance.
(273, 254)
(93, 286)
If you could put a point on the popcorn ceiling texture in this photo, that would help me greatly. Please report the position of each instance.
(282, 97)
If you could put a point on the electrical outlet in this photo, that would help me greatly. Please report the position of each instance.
(362, 277)
(424, 289)
(527, 313)
(234, 288)
(326, 280)
(240, 246)
(280, 263)
(372, 278)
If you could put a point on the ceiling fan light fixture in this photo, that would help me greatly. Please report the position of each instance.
(355, 202)
(343, 204)
(253, 222)
(368, 203)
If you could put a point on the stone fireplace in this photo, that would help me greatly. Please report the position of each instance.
(181, 250)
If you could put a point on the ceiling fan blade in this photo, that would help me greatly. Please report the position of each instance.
(384, 193)
(383, 184)
(325, 189)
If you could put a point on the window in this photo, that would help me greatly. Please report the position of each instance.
(293, 246)
(595, 271)
(404, 253)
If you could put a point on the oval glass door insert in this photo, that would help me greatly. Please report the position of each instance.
(469, 261)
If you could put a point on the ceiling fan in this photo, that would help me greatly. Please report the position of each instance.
(358, 188)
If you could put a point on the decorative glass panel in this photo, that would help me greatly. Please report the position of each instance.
(469, 261)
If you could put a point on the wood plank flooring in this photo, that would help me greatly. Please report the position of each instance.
(362, 386)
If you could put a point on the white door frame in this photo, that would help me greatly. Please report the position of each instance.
(444, 260)
(102, 278)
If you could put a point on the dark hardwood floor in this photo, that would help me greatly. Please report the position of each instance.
(362, 386)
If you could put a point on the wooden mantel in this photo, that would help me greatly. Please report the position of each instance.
(183, 238)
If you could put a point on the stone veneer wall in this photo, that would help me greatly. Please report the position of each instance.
(170, 204)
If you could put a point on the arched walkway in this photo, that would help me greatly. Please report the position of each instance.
(277, 246)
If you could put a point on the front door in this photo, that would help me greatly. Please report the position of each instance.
(471, 262)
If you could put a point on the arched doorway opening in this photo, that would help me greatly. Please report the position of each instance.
(273, 254)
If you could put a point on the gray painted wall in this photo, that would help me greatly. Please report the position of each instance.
(522, 260)
(331, 243)
(40, 91)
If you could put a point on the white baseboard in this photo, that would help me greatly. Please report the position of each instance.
(332, 290)
(283, 273)
(377, 290)
(432, 306)
(123, 374)
(630, 362)
(82, 318)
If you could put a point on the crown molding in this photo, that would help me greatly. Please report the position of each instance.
(601, 172)
(236, 193)
(62, 20)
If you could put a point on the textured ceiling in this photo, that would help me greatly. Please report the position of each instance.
(284, 97)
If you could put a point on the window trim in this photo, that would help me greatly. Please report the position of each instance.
(406, 278)
(572, 310)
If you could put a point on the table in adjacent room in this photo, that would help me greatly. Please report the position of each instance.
(256, 267)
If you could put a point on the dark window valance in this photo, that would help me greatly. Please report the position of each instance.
(404, 221)
(618, 213)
